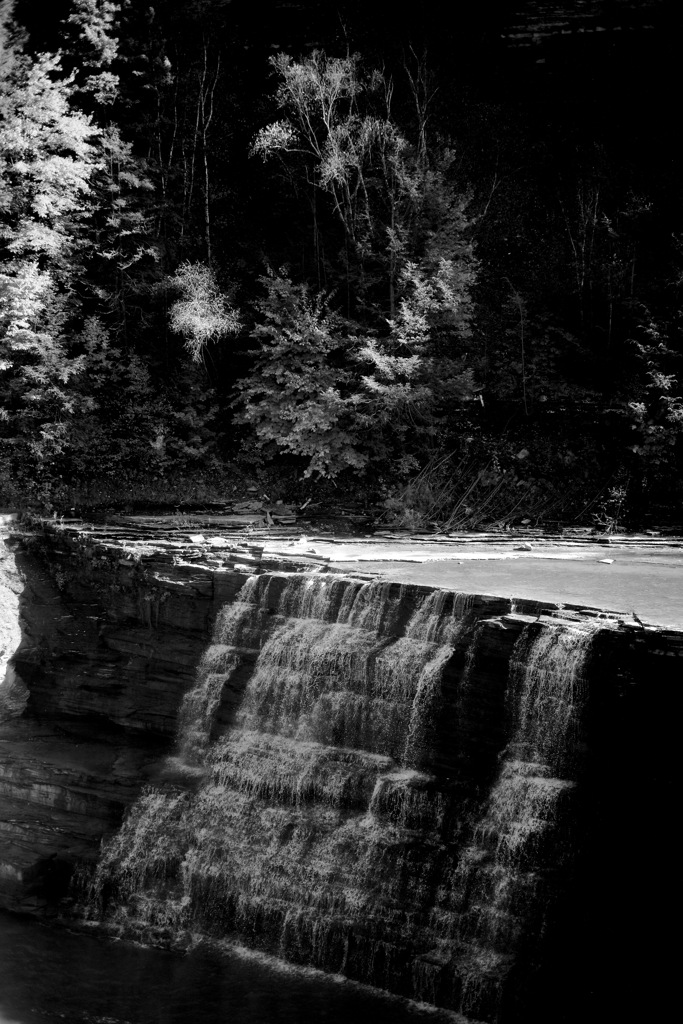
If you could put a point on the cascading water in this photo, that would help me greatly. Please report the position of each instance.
(495, 898)
(318, 826)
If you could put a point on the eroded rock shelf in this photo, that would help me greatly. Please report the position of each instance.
(417, 788)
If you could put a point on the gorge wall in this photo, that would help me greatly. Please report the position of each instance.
(459, 798)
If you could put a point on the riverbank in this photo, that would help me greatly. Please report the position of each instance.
(637, 577)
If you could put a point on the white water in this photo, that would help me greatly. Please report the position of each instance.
(318, 828)
(499, 875)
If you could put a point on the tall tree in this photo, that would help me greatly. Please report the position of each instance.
(125, 251)
(407, 248)
(48, 159)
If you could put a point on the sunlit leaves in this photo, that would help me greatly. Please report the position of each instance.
(280, 135)
(95, 23)
(47, 159)
(201, 314)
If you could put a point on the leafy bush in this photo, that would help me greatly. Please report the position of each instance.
(299, 397)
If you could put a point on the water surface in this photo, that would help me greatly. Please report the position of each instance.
(649, 583)
(48, 974)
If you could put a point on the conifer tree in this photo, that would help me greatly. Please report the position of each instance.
(125, 255)
(48, 158)
(95, 25)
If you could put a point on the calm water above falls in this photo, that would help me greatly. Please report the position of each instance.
(49, 975)
(649, 582)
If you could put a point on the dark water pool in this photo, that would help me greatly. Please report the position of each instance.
(48, 974)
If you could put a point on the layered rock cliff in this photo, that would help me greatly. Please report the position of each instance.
(101, 648)
(435, 793)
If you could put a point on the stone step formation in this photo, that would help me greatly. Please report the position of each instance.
(323, 826)
(398, 783)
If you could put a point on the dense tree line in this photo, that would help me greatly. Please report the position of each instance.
(315, 251)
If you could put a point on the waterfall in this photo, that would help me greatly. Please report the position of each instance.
(319, 828)
(224, 655)
(341, 669)
(500, 876)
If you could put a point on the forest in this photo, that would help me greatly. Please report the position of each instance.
(329, 249)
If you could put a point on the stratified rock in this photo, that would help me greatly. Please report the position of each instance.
(427, 791)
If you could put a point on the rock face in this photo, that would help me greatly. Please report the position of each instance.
(426, 791)
(101, 650)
